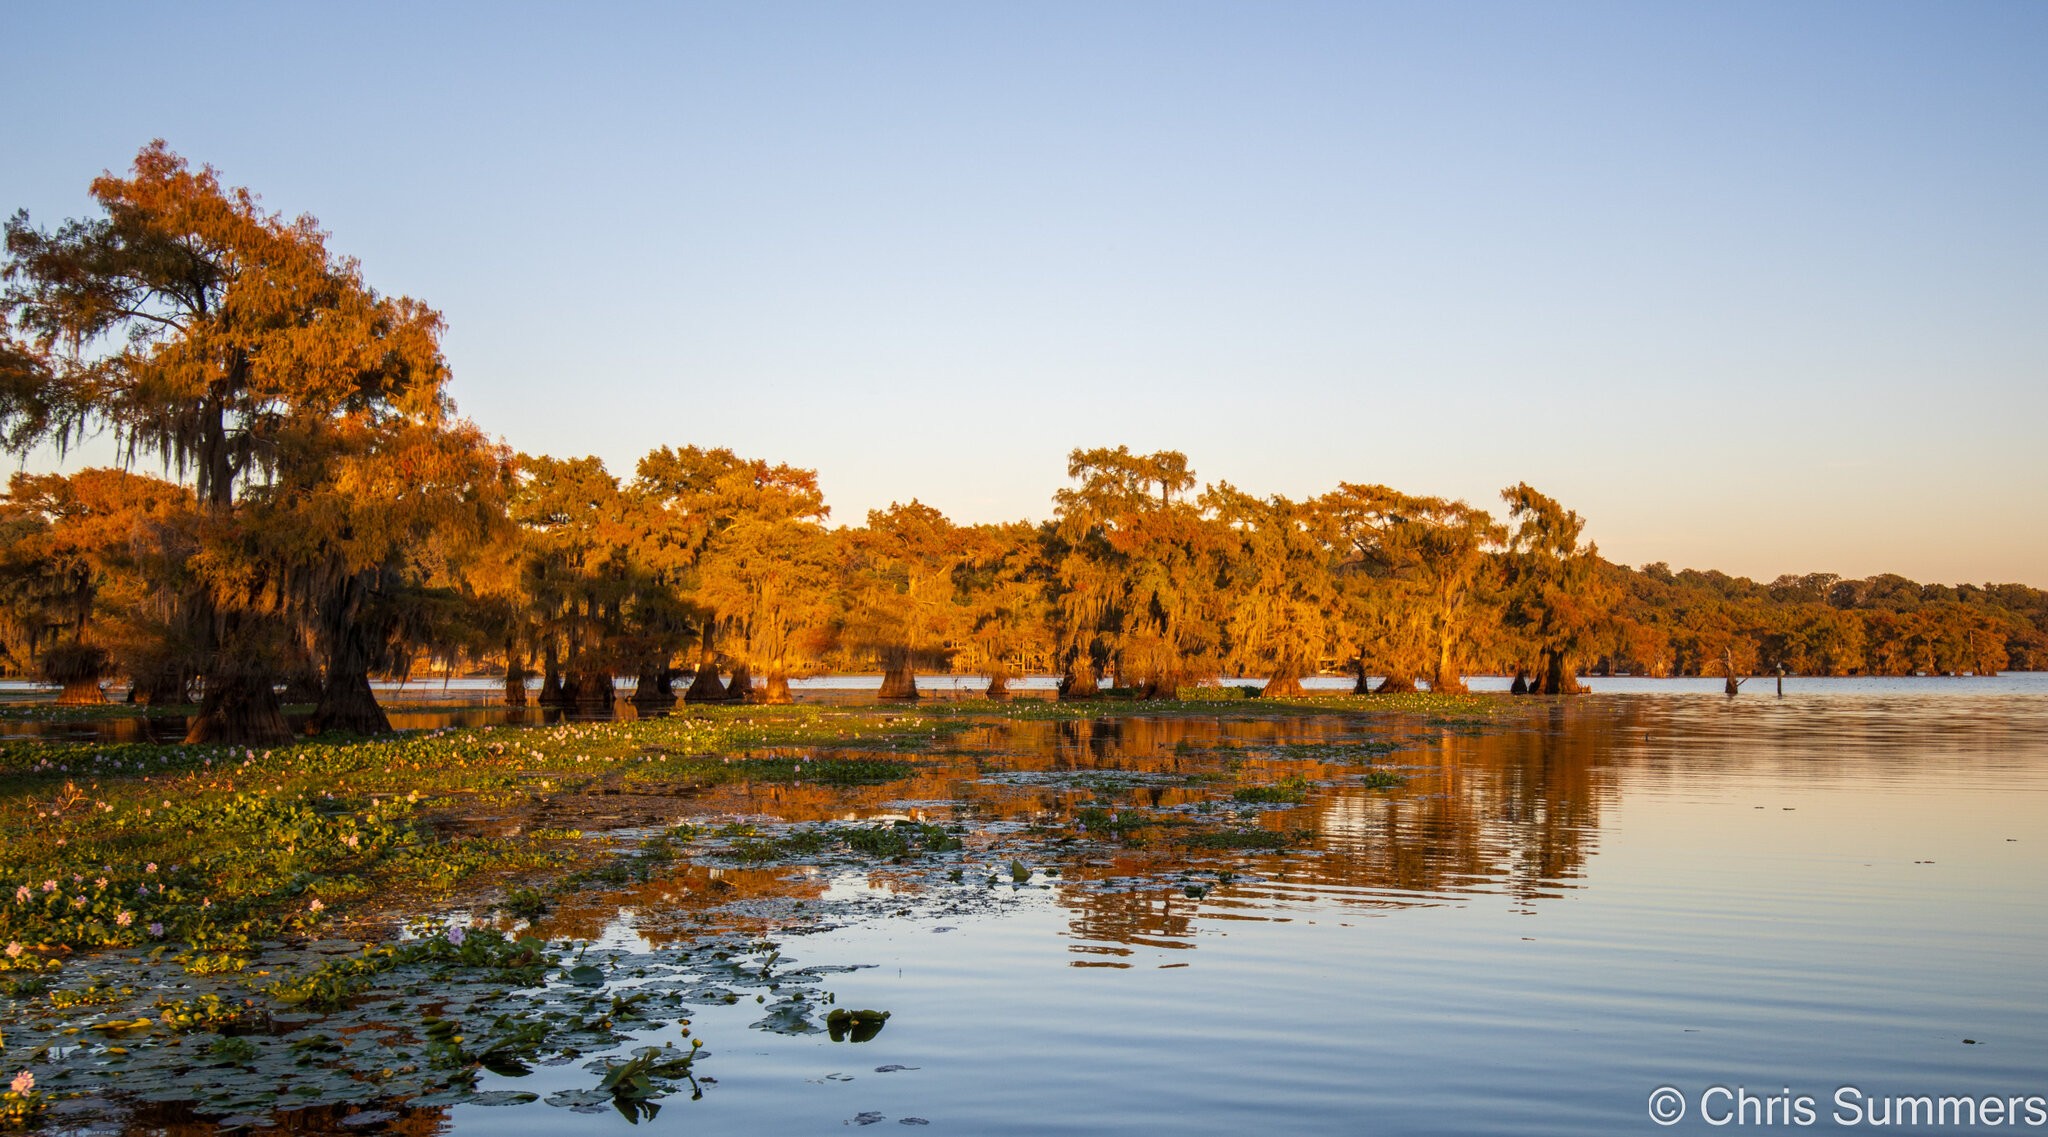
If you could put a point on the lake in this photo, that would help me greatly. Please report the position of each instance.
(1553, 917)
(1505, 916)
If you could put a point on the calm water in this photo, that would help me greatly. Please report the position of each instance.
(1546, 923)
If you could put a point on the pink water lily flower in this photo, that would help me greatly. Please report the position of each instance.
(24, 1082)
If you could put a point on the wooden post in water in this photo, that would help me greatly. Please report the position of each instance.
(1781, 680)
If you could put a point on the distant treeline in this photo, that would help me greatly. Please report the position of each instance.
(327, 518)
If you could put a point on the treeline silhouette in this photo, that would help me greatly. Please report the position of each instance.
(325, 517)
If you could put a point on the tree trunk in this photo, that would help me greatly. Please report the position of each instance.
(1285, 683)
(515, 674)
(78, 667)
(551, 692)
(345, 703)
(1396, 685)
(899, 680)
(704, 686)
(239, 706)
(998, 687)
(1166, 685)
(741, 689)
(1445, 678)
(83, 691)
(239, 709)
(776, 693)
(1079, 682)
(164, 686)
(653, 692)
(1558, 677)
(348, 705)
(591, 692)
(1364, 684)
(1521, 683)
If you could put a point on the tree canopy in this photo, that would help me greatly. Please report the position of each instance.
(323, 516)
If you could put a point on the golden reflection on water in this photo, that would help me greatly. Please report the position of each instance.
(1513, 812)
(1511, 809)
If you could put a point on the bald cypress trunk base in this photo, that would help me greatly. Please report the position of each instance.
(348, 705)
(590, 692)
(705, 687)
(82, 692)
(1448, 683)
(899, 682)
(741, 689)
(1396, 685)
(998, 688)
(1079, 683)
(1285, 683)
(162, 687)
(552, 693)
(239, 710)
(1557, 678)
(776, 691)
(653, 691)
(1520, 685)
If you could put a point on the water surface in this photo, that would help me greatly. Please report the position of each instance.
(1546, 922)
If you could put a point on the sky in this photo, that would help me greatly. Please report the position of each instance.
(1758, 287)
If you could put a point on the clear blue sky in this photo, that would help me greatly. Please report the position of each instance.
(1753, 286)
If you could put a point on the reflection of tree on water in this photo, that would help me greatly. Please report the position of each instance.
(1511, 812)
(184, 1119)
(679, 902)
(1506, 812)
